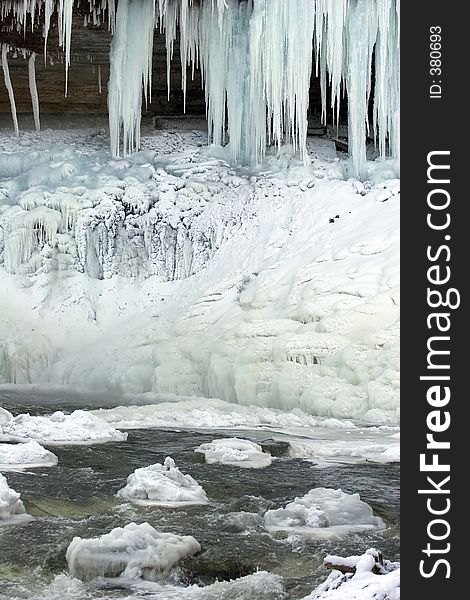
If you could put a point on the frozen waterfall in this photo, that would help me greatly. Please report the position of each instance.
(256, 59)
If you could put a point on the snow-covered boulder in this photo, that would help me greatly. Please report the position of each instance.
(25, 456)
(80, 427)
(234, 451)
(325, 513)
(12, 509)
(363, 584)
(133, 551)
(162, 485)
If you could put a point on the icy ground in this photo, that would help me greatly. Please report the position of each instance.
(172, 272)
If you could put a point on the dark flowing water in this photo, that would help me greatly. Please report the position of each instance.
(78, 498)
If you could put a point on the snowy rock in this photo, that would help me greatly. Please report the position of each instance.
(324, 513)
(361, 585)
(133, 551)
(80, 427)
(162, 485)
(25, 456)
(235, 452)
(11, 507)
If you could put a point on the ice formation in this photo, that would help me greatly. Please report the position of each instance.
(256, 62)
(324, 513)
(363, 584)
(162, 485)
(59, 429)
(25, 456)
(133, 551)
(11, 507)
(34, 90)
(235, 452)
(131, 72)
(8, 85)
(246, 292)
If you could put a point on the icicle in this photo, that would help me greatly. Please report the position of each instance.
(48, 10)
(11, 95)
(65, 33)
(99, 79)
(33, 90)
(361, 32)
(131, 65)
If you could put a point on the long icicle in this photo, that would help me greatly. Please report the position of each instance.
(11, 95)
(33, 90)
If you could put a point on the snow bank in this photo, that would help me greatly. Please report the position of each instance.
(162, 485)
(5, 416)
(324, 513)
(205, 413)
(25, 456)
(321, 440)
(133, 551)
(361, 585)
(11, 507)
(79, 427)
(349, 445)
(235, 452)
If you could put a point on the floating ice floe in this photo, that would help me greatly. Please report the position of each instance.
(25, 456)
(59, 429)
(162, 485)
(133, 551)
(237, 452)
(12, 509)
(363, 583)
(324, 513)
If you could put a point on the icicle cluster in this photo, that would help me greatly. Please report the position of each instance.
(131, 72)
(256, 62)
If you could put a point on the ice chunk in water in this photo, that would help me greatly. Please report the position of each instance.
(324, 512)
(234, 451)
(133, 551)
(162, 485)
(11, 507)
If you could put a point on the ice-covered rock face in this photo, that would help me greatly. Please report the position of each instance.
(323, 512)
(11, 507)
(162, 485)
(25, 456)
(235, 452)
(133, 551)
(69, 211)
(293, 298)
(80, 427)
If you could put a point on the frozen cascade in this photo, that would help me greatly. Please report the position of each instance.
(8, 85)
(131, 65)
(268, 45)
(256, 62)
(34, 90)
